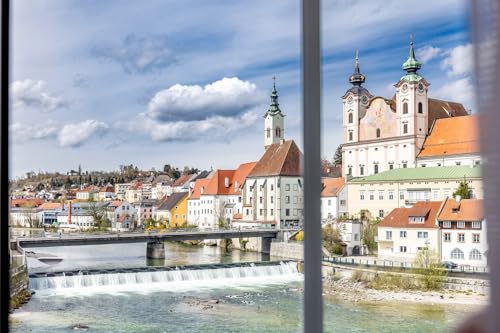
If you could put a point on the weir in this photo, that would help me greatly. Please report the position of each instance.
(160, 275)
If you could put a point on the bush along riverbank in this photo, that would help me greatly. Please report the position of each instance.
(375, 286)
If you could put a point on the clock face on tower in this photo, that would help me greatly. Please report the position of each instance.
(421, 87)
(364, 99)
(350, 100)
(404, 88)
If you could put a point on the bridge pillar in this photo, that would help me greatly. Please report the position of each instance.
(155, 250)
(265, 246)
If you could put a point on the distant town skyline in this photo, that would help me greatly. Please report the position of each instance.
(96, 84)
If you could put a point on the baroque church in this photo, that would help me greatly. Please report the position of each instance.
(383, 134)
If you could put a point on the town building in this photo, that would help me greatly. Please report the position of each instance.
(377, 195)
(106, 193)
(463, 228)
(144, 210)
(452, 141)
(173, 210)
(121, 190)
(122, 214)
(47, 212)
(406, 231)
(329, 200)
(382, 134)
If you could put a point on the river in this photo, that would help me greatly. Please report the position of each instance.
(269, 301)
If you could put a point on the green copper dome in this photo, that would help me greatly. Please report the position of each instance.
(412, 65)
(274, 107)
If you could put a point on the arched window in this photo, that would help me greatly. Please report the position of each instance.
(378, 132)
(405, 108)
(361, 170)
(457, 254)
(350, 118)
(278, 132)
(475, 255)
(420, 107)
(405, 128)
(349, 170)
(375, 169)
(350, 135)
(268, 132)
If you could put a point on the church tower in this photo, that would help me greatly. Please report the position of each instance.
(274, 128)
(411, 99)
(354, 101)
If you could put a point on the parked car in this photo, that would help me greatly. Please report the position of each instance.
(450, 265)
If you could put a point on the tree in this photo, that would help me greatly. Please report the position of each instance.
(369, 232)
(98, 213)
(331, 236)
(337, 158)
(429, 269)
(463, 190)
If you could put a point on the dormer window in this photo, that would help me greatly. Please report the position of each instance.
(417, 219)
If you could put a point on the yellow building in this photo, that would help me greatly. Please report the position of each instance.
(174, 209)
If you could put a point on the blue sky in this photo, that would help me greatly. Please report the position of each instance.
(104, 83)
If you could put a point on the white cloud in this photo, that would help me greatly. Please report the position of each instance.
(459, 60)
(461, 90)
(76, 134)
(33, 93)
(226, 97)
(23, 132)
(427, 53)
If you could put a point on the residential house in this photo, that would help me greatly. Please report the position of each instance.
(194, 203)
(406, 231)
(377, 195)
(174, 209)
(329, 201)
(106, 193)
(463, 228)
(88, 193)
(77, 215)
(144, 210)
(24, 212)
(122, 214)
(47, 212)
(134, 192)
(121, 190)
(161, 187)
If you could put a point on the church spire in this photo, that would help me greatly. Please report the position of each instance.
(411, 65)
(356, 79)
(274, 106)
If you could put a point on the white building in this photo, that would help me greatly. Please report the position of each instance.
(122, 214)
(463, 229)
(329, 200)
(406, 231)
(121, 190)
(383, 134)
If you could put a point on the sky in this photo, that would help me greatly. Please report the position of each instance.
(105, 83)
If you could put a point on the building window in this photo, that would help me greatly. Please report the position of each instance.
(381, 195)
(475, 238)
(295, 212)
(372, 195)
(356, 237)
(247, 212)
(272, 212)
(272, 187)
(361, 170)
(287, 212)
(476, 225)
(420, 107)
(287, 199)
(405, 165)
(447, 224)
(405, 128)
(424, 165)
(361, 195)
(391, 195)
(402, 249)
(401, 195)
(422, 234)
(460, 224)
(388, 235)
(287, 187)
(295, 200)
(278, 132)
(457, 254)
(350, 135)
(342, 202)
(268, 132)
(381, 213)
(272, 199)
(350, 118)
(447, 237)
(260, 212)
(458, 163)
(261, 199)
(402, 234)
(391, 166)
(405, 108)
(378, 132)
(295, 187)
(329, 202)
(461, 238)
(375, 168)
(475, 255)
(435, 195)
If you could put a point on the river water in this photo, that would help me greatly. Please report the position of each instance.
(267, 301)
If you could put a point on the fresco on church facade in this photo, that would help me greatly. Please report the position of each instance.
(379, 115)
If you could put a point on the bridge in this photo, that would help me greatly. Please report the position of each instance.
(154, 240)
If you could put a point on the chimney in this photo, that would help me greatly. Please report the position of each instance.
(226, 182)
(69, 212)
(458, 198)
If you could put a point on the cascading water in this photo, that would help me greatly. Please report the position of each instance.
(173, 280)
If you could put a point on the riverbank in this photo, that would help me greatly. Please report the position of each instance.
(345, 289)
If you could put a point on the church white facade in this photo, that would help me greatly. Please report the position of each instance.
(383, 134)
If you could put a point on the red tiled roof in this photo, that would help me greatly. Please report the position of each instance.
(25, 203)
(240, 176)
(237, 216)
(51, 205)
(115, 203)
(279, 159)
(465, 210)
(182, 180)
(452, 136)
(198, 184)
(217, 184)
(400, 217)
(331, 186)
